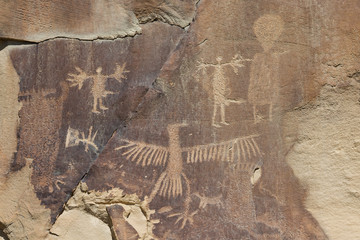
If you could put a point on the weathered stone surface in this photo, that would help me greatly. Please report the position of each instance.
(322, 135)
(59, 89)
(126, 213)
(21, 212)
(191, 154)
(174, 12)
(38, 20)
(242, 126)
(9, 108)
(78, 225)
(325, 156)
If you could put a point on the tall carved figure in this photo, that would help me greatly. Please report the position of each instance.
(264, 75)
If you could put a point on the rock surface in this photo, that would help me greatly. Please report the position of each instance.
(38, 20)
(184, 119)
(77, 225)
(329, 168)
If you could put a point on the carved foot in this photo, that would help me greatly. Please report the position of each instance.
(184, 217)
(103, 108)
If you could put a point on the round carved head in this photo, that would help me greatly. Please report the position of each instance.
(98, 70)
(268, 29)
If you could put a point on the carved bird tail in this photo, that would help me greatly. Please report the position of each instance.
(171, 186)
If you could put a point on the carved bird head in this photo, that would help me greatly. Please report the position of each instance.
(175, 127)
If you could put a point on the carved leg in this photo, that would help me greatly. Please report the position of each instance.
(254, 114)
(95, 103)
(222, 106)
(214, 115)
(102, 107)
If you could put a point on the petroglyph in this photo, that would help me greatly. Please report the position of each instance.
(219, 85)
(74, 138)
(235, 150)
(204, 201)
(170, 181)
(264, 75)
(99, 81)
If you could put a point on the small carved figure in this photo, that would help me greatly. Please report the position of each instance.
(74, 138)
(98, 87)
(204, 201)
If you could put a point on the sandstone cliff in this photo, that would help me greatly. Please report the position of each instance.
(179, 119)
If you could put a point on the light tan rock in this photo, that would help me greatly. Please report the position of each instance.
(325, 156)
(96, 203)
(20, 209)
(37, 20)
(9, 108)
(79, 225)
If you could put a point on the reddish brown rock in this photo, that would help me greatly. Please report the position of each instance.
(207, 137)
(194, 155)
(59, 89)
(121, 229)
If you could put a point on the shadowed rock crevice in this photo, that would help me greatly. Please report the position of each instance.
(3, 235)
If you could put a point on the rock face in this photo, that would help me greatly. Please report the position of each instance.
(38, 20)
(182, 120)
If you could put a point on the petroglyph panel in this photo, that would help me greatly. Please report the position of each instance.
(74, 95)
(197, 155)
(173, 133)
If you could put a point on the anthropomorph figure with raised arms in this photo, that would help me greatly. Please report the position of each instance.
(98, 86)
(220, 90)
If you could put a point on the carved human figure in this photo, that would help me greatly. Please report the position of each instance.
(220, 90)
(264, 75)
(170, 182)
(99, 81)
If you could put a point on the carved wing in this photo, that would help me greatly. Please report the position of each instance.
(242, 149)
(144, 154)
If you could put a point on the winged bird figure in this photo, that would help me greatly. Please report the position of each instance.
(170, 182)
